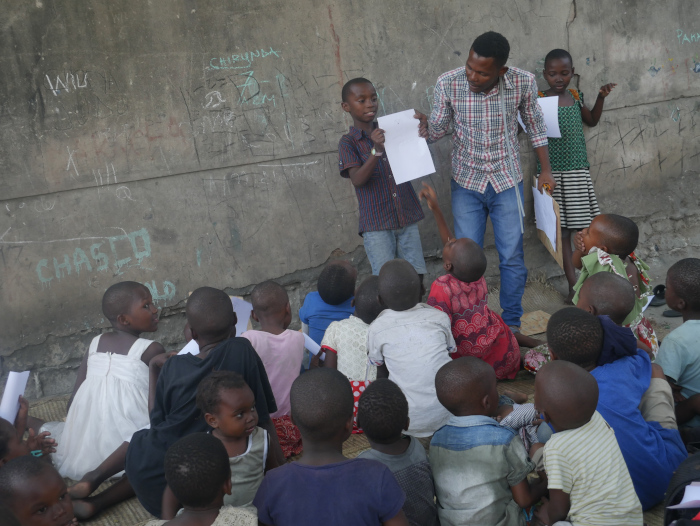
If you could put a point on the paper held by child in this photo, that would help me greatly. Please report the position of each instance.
(691, 497)
(550, 112)
(408, 153)
(14, 388)
(313, 347)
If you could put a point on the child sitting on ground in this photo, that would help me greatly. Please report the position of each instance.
(462, 294)
(210, 315)
(608, 245)
(480, 467)
(634, 399)
(228, 406)
(110, 397)
(12, 443)
(346, 491)
(587, 477)
(281, 352)
(345, 341)
(35, 493)
(679, 350)
(383, 415)
(409, 341)
(198, 473)
(332, 302)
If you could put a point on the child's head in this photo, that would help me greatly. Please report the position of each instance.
(228, 404)
(360, 100)
(198, 472)
(399, 285)
(10, 444)
(464, 259)
(576, 336)
(271, 304)
(35, 493)
(210, 314)
(383, 412)
(322, 404)
(683, 285)
(467, 386)
(558, 69)
(566, 395)
(129, 305)
(367, 306)
(607, 294)
(336, 284)
(612, 233)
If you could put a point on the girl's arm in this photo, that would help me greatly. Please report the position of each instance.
(428, 193)
(331, 360)
(591, 117)
(272, 461)
(82, 373)
(153, 350)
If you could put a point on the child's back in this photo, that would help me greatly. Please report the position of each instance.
(110, 400)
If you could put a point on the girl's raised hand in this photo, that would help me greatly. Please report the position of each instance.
(428, 193)
(605, 90)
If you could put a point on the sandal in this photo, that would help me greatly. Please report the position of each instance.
(659, 296)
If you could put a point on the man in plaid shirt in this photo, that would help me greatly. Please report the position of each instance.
(482, 184)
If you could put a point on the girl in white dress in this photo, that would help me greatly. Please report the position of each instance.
(111, 394)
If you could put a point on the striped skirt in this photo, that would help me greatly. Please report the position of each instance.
(576, 197)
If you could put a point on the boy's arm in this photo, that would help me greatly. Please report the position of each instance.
(526, 495)
(556, 508)
(272, 461)
(154, 368)
(399, 520)
(428, 193)
(382, 371)
(359, 175)
(591, 117)
(170, 504)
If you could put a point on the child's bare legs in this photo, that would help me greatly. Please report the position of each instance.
(91, 506)
(569, 271)
(518, 398)
(112, 465)
(527, 341)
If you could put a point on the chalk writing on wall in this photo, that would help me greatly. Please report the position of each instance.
(687, 38)
(242, 61)
(168, 291)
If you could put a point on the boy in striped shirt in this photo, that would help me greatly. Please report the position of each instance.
(587, 478)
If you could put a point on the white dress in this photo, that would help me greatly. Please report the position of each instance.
(109, 407)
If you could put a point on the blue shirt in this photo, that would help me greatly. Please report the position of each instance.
(651, 452)
(318, 314)
(354, 492)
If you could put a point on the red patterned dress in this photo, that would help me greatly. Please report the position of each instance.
(477, 330)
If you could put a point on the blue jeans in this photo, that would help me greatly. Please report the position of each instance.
(404, 243)
(470, 210)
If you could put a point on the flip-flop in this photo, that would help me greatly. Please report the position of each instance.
(671, 314)
(659, 296)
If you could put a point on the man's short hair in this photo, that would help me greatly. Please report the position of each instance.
(210, 388)
(336, 284)
(382, 412)
(210, 313)
(119, 298)
(322, 403)
(558, 54)
(399, 285)
(492, 45)
(575, 335)
(196, 468)
(684, 277)
(349, 84)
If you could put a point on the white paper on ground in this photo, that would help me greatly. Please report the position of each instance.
(313, 347)
(14, 388)
(550, 111)
(408, 152)
(691, 497)
(544, 215)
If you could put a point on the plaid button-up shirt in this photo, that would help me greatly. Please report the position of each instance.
(383, 204)
(479, 150)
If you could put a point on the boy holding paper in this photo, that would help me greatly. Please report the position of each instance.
(389, 212)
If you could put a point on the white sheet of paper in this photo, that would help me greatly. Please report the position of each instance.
(242, 309)
(192, 347)
(691, 497)
(14, 388)
(544, 215)
(313, 347)
(550, 111)
(408, 153)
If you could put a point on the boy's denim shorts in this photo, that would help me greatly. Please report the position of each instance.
(404, 243)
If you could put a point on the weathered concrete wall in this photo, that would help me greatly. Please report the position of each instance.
(188, 143)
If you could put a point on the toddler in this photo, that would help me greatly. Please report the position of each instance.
(567, 154)
(281, 352)
(345, 341)
(480, 467)
(383, 415)
(198, 474)
(650, 442)
(679, 350)
(12, 444)
(587, 477)
(409, 341)
(34, 492)
(332, 302)
(346, 491)
(607, 245)
(389, 212)
(462, 294)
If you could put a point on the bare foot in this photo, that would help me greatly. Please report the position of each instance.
(83, 509)
(83, 488)
(518, 398)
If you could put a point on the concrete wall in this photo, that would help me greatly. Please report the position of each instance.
(195, 142)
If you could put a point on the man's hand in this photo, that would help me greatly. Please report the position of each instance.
(605, 90)
(546, 178)
(422, 125)
(378, 139)
(42, 441)
(428, 193)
